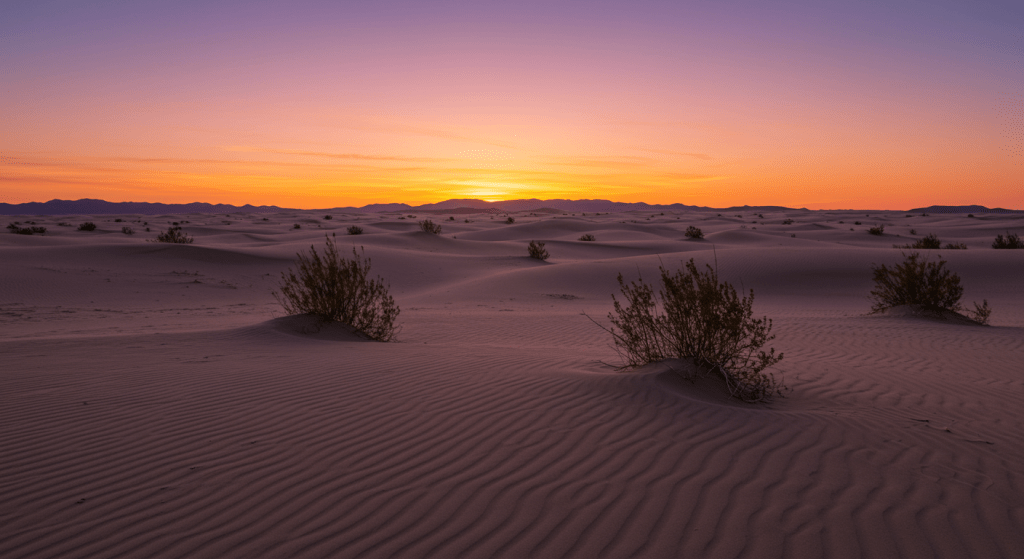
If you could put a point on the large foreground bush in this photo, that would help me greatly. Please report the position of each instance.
(336, 289)
(701, 319)
(928, 285)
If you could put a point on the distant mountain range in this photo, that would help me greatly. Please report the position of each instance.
(964, 210)
(88, 206)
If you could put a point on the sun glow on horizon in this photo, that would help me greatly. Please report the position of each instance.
(874, 106)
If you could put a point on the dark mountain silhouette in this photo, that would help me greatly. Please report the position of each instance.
(88, 206)
(964, 210)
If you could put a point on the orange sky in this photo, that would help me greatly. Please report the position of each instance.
(318, 107)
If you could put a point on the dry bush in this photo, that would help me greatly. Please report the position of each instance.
(430, 227)
(917, 281)
(127, 230)
(336, 289)
(587, 237)
(174, 235)
(1010, 241)
(328, 217)
(87, 226)
(355, 230)
(877, 230)
(296, 226)
(537, 251)
(694, 233)
(510, 220)
(785, 221)
(703, 320)
(26, 230)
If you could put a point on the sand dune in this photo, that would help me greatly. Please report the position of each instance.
(154, 402)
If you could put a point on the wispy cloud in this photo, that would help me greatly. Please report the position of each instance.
(330, 155)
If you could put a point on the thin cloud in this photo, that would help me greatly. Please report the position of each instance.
(331, 155)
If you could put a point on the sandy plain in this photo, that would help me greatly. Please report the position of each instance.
(154, 402)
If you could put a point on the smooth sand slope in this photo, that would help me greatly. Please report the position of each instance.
(155, 403)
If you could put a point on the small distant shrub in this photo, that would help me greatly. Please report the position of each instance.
(26, 230)
(930, 241)
(702, 319)
(510, 220)
(856, 223)
(466, 220)
(336, 289)
(970, 215)
(694, 233)
(266, 219)
(920, 282)
(127, 230)
(587, 237)
(1010, 241)
(147, 230)
(174, 235)
(430, 227)
(877, 230)
(956, 246)
(355, 230)
(118, 220)
(65, 224)
(913, 231)
(328, 217)
(537, 251)
(451, 218)
(793, 235)
(87, 226)
(787, 222)
(296, 226)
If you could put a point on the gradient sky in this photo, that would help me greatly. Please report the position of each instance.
(882, 105)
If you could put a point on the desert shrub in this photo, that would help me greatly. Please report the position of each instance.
(787, 222)
(430, 227)
(127, 230)
(65, 224)
(355, 230)
(917, 281)
(87, 226)
(587, 237)
(510, 220)
(451, 218)
(537, 251)
(694, 233)
(26, 230)
(328, 217)
(877, 230)
(956, 246)
(296, 226)
(856, 223)
(174, 235)
(1010, 241)
(913, 231)
(336, 289)
(703, 320)
(929, 241)
(118, 220)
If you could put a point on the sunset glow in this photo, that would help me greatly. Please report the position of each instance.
(312, 105)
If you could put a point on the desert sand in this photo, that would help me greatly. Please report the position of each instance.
(155, 402)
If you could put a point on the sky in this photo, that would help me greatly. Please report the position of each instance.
(818, 104)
